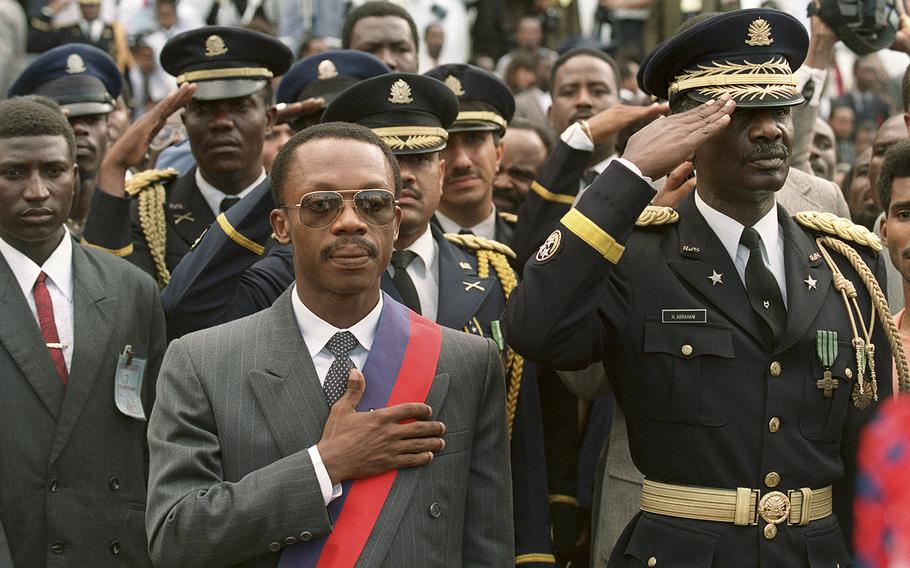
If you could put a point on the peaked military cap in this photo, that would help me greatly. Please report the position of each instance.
(225, 62)
(409, 112)
(80, 77)
(327, 74)
(484, 100)
(748, 54)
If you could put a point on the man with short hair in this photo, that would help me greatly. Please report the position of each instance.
(89, 28)
(287, 445)
(387, 31)
(225, 76)
(80, 346)
(715, 318)
(822, 150)
(526, 147)
(858, 192)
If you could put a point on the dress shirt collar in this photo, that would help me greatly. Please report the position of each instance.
(316, 331)
(729, 231)
(485, 229)
(58, 266)
(213, 195)
(425, 248)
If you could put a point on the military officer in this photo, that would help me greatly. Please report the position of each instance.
(225, 76)
(89, 29)
(472, 155)
(743, 369)
(85, 82)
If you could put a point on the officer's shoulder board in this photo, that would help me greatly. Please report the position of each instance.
(654, 216)
(148, 179)
(510, 218)
(475, 243)
(844, 229)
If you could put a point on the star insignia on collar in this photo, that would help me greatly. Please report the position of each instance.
(811, 282)
(716, 278)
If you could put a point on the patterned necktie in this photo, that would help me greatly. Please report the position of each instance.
(763, 291)
(45, 310)
(228, 202)
(336, 380)
(400, 261)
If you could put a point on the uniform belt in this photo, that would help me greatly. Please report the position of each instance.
(741, 506)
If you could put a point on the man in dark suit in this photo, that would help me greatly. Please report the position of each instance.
(89, 29)
(80, 347)
(270, 440)
(228, 111)
(730, 369)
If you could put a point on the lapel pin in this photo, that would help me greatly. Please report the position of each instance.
(465, 265)
(815, 257)
(184, 217)
(473, 286)
(766, 304)
(715, 278)
(811, 282)
(691, 249)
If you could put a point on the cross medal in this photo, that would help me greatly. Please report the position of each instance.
(826, 348)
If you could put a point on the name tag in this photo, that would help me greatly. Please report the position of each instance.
(128, 384)
(684, 316)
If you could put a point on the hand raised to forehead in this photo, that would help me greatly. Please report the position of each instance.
(670, 140)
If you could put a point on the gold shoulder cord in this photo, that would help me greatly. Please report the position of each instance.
(492, 253)
(150, 189)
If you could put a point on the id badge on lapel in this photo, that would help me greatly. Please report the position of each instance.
(128, 384)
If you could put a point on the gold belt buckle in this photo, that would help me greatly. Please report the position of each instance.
(774, 507)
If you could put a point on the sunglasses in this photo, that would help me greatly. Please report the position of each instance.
(319, 209)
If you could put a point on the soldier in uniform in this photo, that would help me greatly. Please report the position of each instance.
(485, 107)
(154, 219)
(89, 29)
(85, 82)
(742, 344)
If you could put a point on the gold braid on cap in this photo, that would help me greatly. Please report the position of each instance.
(149, 186)
(494, 253)
(740, 80)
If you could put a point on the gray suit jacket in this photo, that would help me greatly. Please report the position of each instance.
(238, 406)
(72, 481)
(807, 192)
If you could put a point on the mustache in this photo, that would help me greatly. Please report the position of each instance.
(410, 187)
(768, 150)
(462, 172)
(328, 250)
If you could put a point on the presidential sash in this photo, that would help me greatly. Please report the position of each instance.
(399, 369)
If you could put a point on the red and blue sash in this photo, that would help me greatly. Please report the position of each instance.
(400, 368)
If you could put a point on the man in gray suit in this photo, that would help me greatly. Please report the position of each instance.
(80, 345)
(269, 446)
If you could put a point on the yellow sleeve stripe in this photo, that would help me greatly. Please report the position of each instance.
(235, 236)
(535, 557)
(566, 499)
(121, 252)
(588, 231)
(550, 196)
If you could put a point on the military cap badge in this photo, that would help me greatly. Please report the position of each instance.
(75, 64)
(215, 46)
(759, 33)
(400, 93)
(326, 70)
(454, 85)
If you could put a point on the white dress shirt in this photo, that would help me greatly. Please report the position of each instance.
(424, 272)
(730, 231)
(316, 334)
(213, 196)
(485, 229)
(59, 270)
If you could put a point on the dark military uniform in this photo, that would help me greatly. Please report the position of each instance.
(739, 442)
(44, 36)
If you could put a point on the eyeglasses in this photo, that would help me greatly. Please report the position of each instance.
(319, 209)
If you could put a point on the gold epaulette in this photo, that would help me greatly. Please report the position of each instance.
(510, 218)
(476, 243)
(147, 179)
(654, 215)
(839, 227)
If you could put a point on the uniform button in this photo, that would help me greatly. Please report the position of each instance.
(306, 536)
(652, 562)
(770, 531)
(772, 479)
(114, 547)
(58, 546)
(113, 483)
(848, 373)
(53, 486)
(435, 510)
(275, 546)
(774, 424)
(290, 540)
(775, 368)
(686, 350)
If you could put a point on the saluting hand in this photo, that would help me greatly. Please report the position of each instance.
(670, 140)
(306, 107)
(607, 123)
(355, 444)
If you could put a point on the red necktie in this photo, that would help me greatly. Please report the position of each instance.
(45, 311)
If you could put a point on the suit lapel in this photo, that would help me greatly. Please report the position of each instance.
(461, 291)
(804, 266)
(93, 313)
(288, 390)
(21, 337)
(699, 256)
(190, 214)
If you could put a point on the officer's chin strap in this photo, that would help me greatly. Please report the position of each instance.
(863, 345)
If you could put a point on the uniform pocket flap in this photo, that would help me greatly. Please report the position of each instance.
(826, 548)
(670, 545)
(685, 340)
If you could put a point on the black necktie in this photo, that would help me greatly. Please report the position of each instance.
(763, 291)
(588, 177)
(465, 232)
(400, 261)
(336, 380)
(228, 202)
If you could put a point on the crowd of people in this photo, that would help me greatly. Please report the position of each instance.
(428, 284)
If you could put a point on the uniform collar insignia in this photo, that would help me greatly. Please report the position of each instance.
(326, 70)
(464, 265)
(214, 45)
(75, 64)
